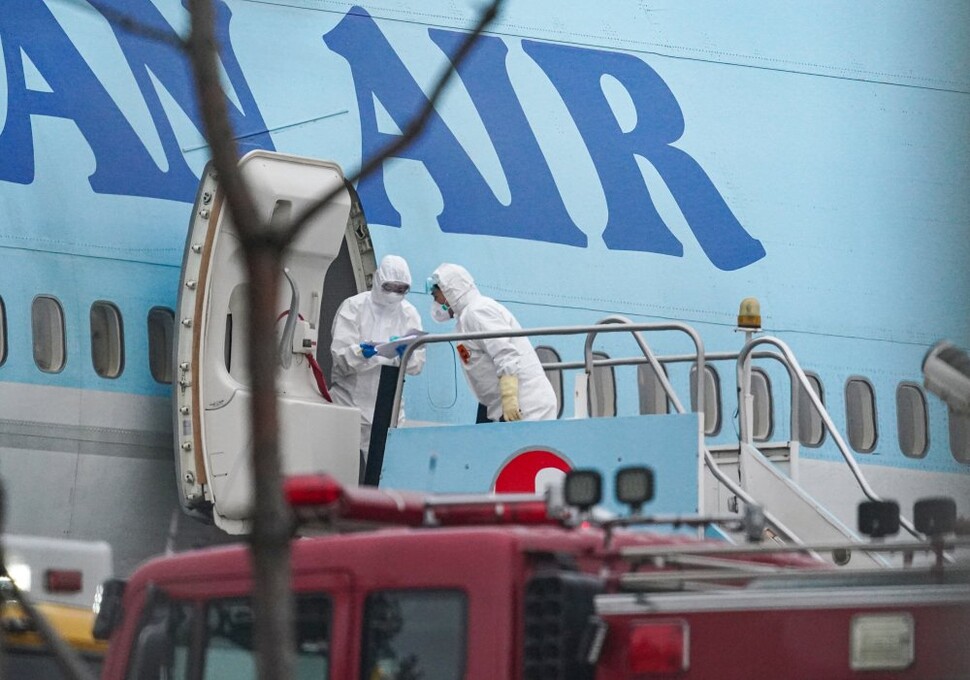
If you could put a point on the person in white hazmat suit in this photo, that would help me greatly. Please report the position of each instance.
(504, 373)
(374, 316)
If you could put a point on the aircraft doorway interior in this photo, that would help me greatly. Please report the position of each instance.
(350, 273)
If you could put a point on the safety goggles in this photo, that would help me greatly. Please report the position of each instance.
(395, 287)
(431, 284)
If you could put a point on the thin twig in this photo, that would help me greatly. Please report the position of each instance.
(263, 247)
(68, 660)
(203, 50)
(411, 131)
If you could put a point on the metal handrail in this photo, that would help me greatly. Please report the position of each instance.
(796, 377)
(652, 360)
(709, 461)
(610, 325)
(744, 358)
(633, 361)
(709, 357)
(662, 551)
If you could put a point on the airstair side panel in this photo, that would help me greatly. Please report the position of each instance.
(794, 507)
(522, 457)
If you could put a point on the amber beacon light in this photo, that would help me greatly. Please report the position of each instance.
(749, 314)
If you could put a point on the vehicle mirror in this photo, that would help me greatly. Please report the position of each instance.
(108, 608)
(878, 518)
(152, 652)
(153, 649)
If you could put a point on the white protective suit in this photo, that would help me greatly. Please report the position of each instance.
(372, 316)
(486, 361)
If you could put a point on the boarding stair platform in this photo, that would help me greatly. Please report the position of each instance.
(728, 477)
(767, 472)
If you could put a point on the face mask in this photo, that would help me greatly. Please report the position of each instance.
(393, 297)
(440, 313)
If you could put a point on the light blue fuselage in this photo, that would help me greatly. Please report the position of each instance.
(660, 162)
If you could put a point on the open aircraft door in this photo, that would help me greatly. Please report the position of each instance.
(213, 437)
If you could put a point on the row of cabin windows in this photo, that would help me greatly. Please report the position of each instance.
(912, 417)
(108, 360)
(49, 338)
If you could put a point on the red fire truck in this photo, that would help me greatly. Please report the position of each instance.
(523, 587)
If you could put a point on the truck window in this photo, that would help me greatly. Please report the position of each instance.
(229, 639)
(168, 641)
(411, 634)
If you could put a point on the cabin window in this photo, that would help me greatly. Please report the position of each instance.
(763, 420)
(3, 332)
(911, 420)
(602, 389)
(47, 325)
(653, 399)
(548, 355)
(959, 425)
(107, 340)
(227, 345)
(415, 634)
(860, 414)
(161, 337)
(810, 430)
(234, 348)
(712, 398)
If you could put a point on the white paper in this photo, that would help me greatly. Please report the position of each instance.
(389, 349)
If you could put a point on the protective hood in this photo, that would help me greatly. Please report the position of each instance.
(457, 285)
(393, 269)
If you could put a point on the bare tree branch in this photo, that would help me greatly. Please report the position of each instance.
(67, 660)
(273, 625)
(263, 245)
(412, 130)
(203, 52)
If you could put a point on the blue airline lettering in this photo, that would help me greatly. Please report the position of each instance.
(470, 206)
(634, 223)
(536, 211)
(124, 165)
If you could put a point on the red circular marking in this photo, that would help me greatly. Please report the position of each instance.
(518, 475)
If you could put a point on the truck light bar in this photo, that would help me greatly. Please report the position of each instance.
(308, 490)
(494, 512)
(321, 497)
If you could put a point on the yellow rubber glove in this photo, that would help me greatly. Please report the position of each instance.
(509, 387)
